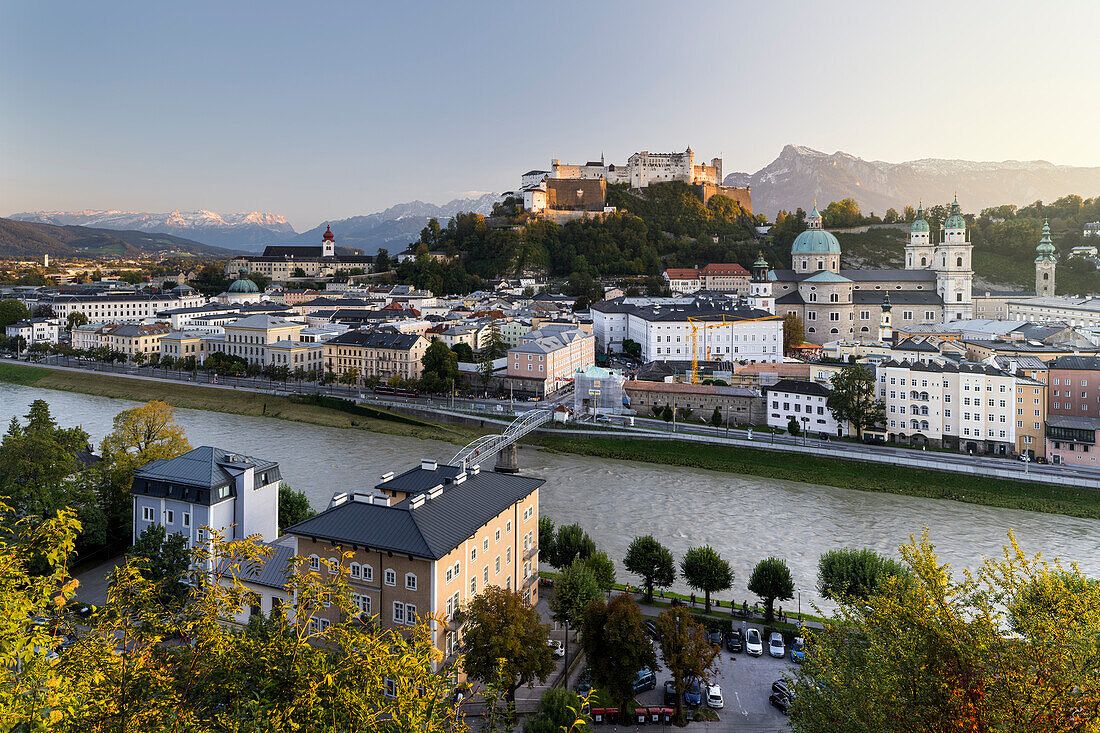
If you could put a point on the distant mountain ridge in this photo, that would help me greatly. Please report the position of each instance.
(801, 174)
(32, 240)
(220, 230)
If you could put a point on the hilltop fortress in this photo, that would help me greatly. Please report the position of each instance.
(568, 190)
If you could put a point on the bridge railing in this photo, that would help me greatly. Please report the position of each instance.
(487, 446)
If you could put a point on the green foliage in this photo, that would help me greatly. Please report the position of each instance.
(616, 646)
(685, 650)
(602, 569)
(76, 318)
(793, 427)
(652, 561)
(440, 367)
(504, 638)
(794, 332)
(164, 560)
(716, 418)
(856, 574)
(842, 214)
(667, 414)
(294, 507)
(558, 711)
(852, 398)
(771, 580)
(632, 348)
(572, 543)
(12, 311)
(547, 537)
(464, 352)
(704, 569)
(574, 589)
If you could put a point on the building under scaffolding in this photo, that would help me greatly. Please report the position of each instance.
(598, 391)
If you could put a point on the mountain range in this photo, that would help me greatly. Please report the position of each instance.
(24, 239)
(800, 174)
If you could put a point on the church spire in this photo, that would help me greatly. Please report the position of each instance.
(1045, 249)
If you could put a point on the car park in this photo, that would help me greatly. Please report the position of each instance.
(776, 648)
(798, 650)
(693, 693)
(781, 702)
(734, 641)
(714, 636)
(714, 697)
(644, 680)
(651, 628)
(670, 693)
(754, 645)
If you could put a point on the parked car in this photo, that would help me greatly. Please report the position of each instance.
(734, 641)
(714, 697)
(798, 650)
(782, 687)
(693, 693)
(651, 628)
(776, 647)
(782, 702)
(584, 684)
(670, 693)
(556, 647)
(754, 645)
(644, 680)
(714, 636)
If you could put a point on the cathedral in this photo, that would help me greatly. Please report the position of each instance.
(934, 287)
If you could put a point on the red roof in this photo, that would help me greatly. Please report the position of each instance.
(728, 269)
(329, 236)
(682, 273)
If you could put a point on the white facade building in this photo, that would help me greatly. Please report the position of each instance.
(805, 402)
(127, 308)
(35, 330)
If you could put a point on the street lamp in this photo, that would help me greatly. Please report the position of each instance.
(805, 428)
(800, 591)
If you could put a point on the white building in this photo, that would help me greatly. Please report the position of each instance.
(35, 330)
(123, 308)
(966, 407)
(805, 402)
(664, 329)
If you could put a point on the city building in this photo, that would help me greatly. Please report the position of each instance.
(1072, 440)
(1045, 264)
(804, 402)
(425, 543)
(1074, 383)
(280, 263)
(935, 285)
(249, 337)
(123, 307)
(208, 488)
(131, 338)
(546, 359)
(182, 344)
(716, 277)
(383, 354)
(34, 330)
(737, 405)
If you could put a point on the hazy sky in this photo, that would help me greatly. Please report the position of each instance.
(322, 110)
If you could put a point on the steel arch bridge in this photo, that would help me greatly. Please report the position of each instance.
(488, 446)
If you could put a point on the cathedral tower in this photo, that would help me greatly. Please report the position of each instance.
(951, 261)
(919, 251)
(1045, 264)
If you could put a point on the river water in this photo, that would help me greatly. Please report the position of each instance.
(744, 517)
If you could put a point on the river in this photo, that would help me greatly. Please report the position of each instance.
(744, 517)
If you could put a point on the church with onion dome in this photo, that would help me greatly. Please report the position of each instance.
(834, 303)
(280, 263)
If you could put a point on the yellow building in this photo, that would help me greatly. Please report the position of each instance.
(249, 337)
(382, 354)
(1031, 416)
(133, 339)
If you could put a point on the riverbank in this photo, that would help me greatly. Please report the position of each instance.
(237, 402)
(1068, 500)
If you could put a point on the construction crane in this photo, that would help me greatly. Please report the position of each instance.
(699, 324)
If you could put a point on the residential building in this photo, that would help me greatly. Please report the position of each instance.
(683, 279)
(35, 330)
(131, 338)
(383, 354)
(249, 337)
(182, 344)
(425, 543)
(738, 405)
(1031, 416)
(716, 277)
(1072, 440)
(123, 307)
(233, 494)
(804, 402)
(550, 357)
(1074, 383)
(295, 355)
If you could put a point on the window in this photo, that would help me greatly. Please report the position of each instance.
(485, 545)
(498, 535)
(508, 555)
(398, 612)
(368, 573)
(314, 563)
(473, 585)
(508, 527)
(473, 554)
(186, 519)
(497, 567)
(391, 576)
(333, 566)
(410, 614)
(485, 576)
(355, 570)
(170, 517)
(410, 581)
(147, 513)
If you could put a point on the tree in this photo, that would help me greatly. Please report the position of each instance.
(464, 353)
(440, 361)
(685, 650)
(793, 427)
(572, 543)
(546, 538)
(716, 418)
(294, 507)
(559, 710)
(139, 357)
(350, 376)
(602, 569)
(705, 570)
(771, 580)
(632, 348)
(932, 652)
(852, 399)
(165, 560)
(854, 574)
(139, 436)
(667, 414)
(652, 561)
(891, 216)
(616, 646)
(496, 347)
(382, 261)
(12, 311)
(500, 625)
(74, 319)
(794, 332)
(574, 589)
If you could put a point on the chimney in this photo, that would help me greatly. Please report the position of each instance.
(435, 491)
(388, 475)
(475, 470)
(459, 478)
(338, 499)
(429, 464)
(417, 501)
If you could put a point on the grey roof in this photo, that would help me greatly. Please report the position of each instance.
(1076, 362)
(270, 572)
(1023, 361)
(377, 339)
(431, 530)
(890, 275)
(897, 297)
(961, 368)
(1068, 421)
(1017, 346)
(205, 466)
(798, 386)
(262, 321)
(911, 344)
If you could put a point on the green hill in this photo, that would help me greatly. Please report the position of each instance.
(21, 239)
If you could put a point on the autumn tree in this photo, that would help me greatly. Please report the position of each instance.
(501, 625)
(705, 570)
(794, 332)
(164, 559)
(771, 580)
(616, 646)
(1011, 646)
(652, 561)
(685, 650)
(852, 398)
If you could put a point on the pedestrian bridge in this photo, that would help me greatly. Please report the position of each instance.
(488, 446)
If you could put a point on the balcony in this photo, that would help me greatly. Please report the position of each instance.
(534, 550)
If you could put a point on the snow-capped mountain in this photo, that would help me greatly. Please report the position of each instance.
(397, 226)
(801, 174)
(237, 230)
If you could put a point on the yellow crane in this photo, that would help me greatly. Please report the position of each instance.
(699, 324)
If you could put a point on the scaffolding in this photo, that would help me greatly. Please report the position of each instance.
(598, 391)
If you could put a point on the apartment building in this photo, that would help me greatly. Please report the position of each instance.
(1031, 416)
(1074, 383)
(182, 344)
(426, 542)
(382, 354)
(249, 337)
(1072, 440)
(131, 338)
(35, 330)
(966, 407)
(126, 307)
(804, 402)
(549, 357)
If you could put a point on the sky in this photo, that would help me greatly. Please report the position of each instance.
(324, 110)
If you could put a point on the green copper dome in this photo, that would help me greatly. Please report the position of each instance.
(815, 242)
(955, 221)
(760, 261)
(243, 285)
(1046, 247)
(920, 224)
